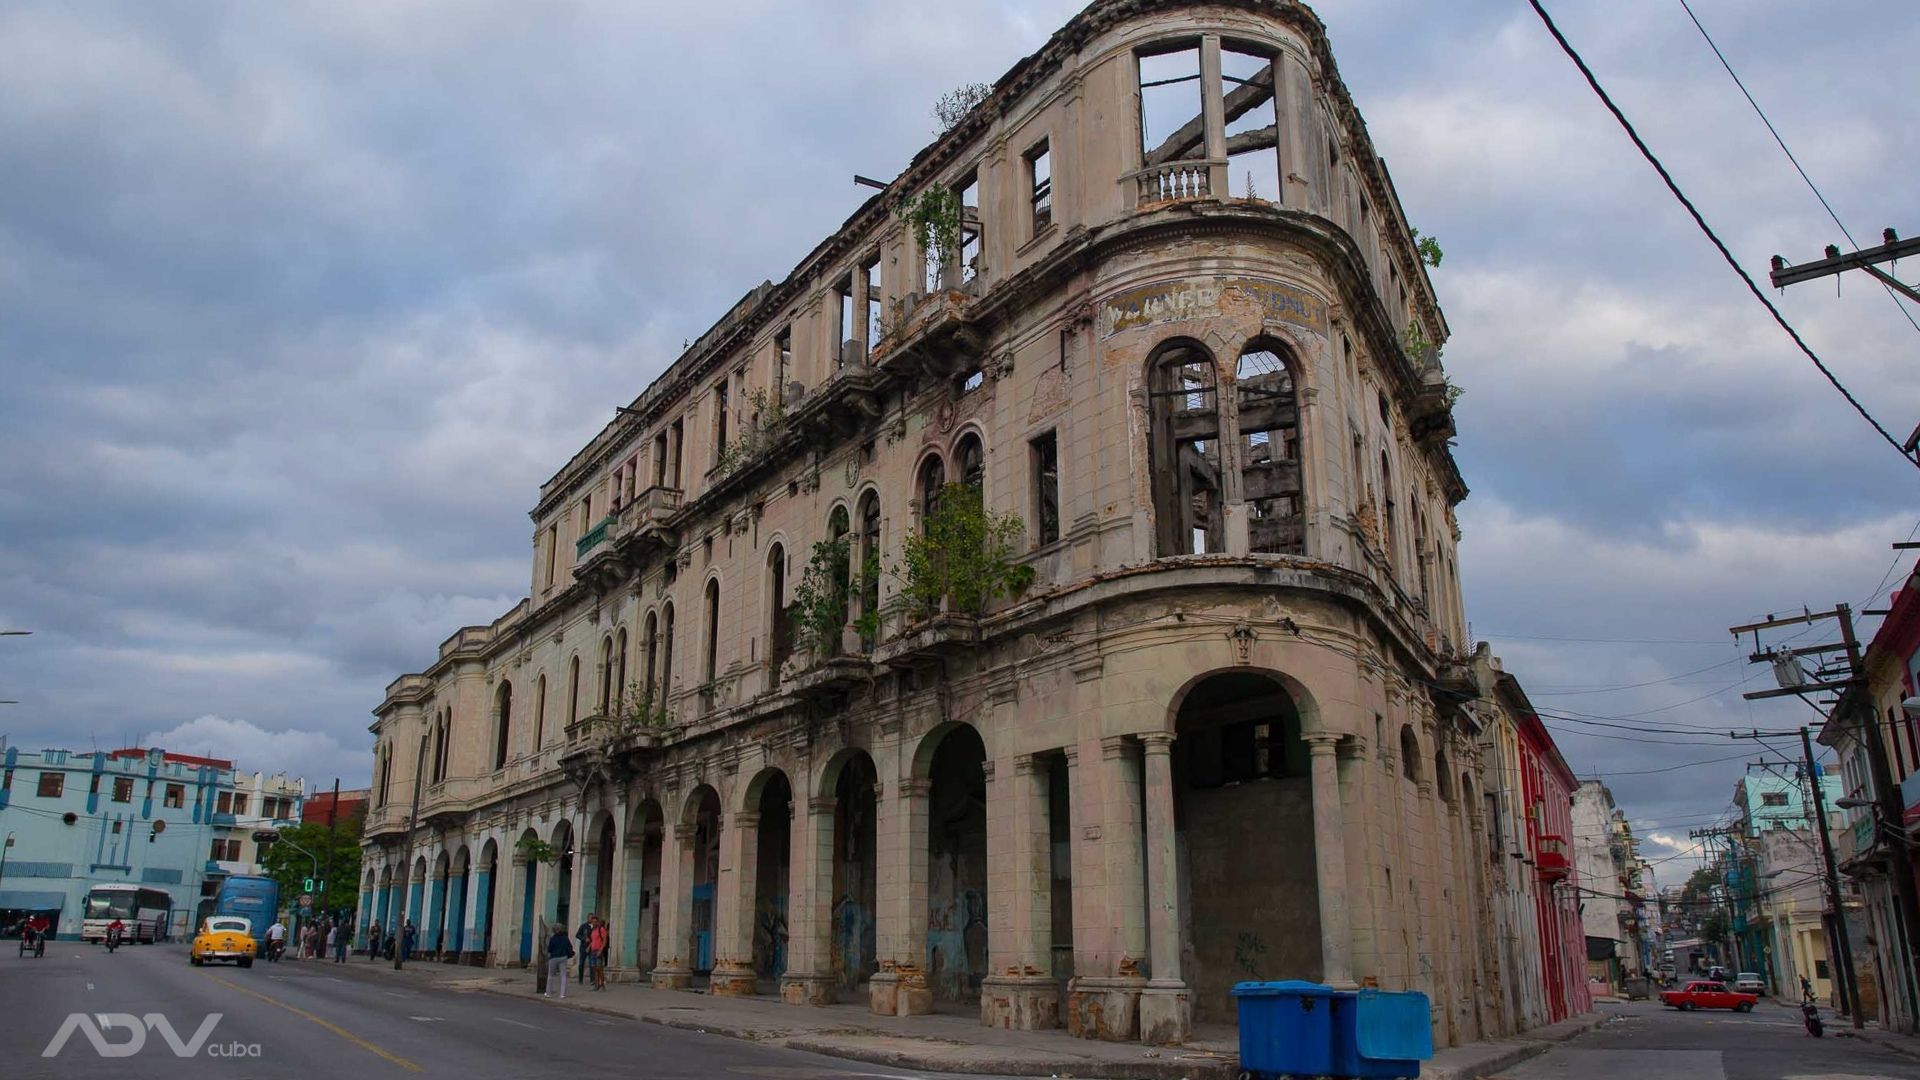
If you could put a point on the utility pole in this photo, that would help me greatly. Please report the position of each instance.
(406, 863)
(1835, 915)
(1891, 250)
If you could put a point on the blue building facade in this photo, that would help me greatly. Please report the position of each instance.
(71, 820)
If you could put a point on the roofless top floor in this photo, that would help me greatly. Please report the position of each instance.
(1134, 106)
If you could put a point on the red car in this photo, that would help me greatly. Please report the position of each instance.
(1708, 995)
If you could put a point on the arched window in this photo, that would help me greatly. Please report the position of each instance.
(779, 624)
(605, 699)
(1442, 776)
(540, 714)
(438, 754)
(1269, 419)
(970, 460)
(713, 631)
(868, 566)
(1409, 753)
(385, 758)
(933, 477)
(666, 652)
(1184, 451)
(444, 748)
(620, 667)
(504, 704)
(1420, 553)
(650, 643)
(837, 533)
(573, 694)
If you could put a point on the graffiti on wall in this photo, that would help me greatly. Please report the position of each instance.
(1176, 301)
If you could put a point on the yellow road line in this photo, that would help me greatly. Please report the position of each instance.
(328, 1024)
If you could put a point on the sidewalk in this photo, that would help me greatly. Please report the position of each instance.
(944, 1042)
(1840, 1027)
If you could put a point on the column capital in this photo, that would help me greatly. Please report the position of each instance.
(1026, 765)
(747, 819)
(918, 787)
(1113, 746)
(822, 804)
(1156, 742)
(1321, 743)
(685, 833)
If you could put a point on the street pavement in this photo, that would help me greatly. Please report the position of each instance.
(1648, 1042)
(311, 1019)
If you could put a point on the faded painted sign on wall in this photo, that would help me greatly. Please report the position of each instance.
(1177, 301)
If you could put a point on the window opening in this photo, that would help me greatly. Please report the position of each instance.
(1270, 450)
(1040, 186)
(1185, 453)
(720, 400)
(553, 553)
(933, 477)
(503, 738)
(972, 380)
(971, 460)
(540, 713)
(573, 694)
(1253, 154)
(606, 674)
(1172, 127)
(123, 792)
(845, 349)
(868, 570)
(1386, 510)
(876, 317)
(1046, 488)
(677, 437)
(783, 351)
(972, 234)
(52, 784)
(780, 633)
(713, 631)
(660, 460)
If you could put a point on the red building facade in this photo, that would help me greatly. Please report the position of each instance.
(1547, 787)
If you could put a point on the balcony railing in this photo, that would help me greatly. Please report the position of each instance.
(594, 537)
(1552, 859)
(1185, 179)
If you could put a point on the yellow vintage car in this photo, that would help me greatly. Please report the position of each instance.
(223, 937)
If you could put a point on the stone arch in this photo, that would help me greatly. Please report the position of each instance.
(603, 836)
(558, 903)
(770, 797)
(711, 598)
(525, 892)
(929, 477)
(969, 456)
(779, 589)
(1183, 448)
(1270, 444)
(702, 812)
(643, 851)
(1410, 755)
(849, 953)
(952, 761)
(503, 722)
(1241, 777)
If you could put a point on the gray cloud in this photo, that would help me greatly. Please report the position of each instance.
(299, 303)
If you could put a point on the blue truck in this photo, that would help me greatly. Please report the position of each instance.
(255, 899)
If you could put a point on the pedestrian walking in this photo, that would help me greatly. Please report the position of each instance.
(341, 932)
(597, 943)
(373, 941)
(407, 937)
(559, 953)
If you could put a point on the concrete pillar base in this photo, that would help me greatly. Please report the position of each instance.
(1020, 1002)
(733, 980)
(901, 991)
(806, 989)
(671, 979)
(1104, 1008)
(1166, 1014)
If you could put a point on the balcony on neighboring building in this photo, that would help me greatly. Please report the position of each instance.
(932, 334)
(1552, 859)
(1183, 178)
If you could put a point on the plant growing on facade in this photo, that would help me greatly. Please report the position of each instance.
(935, 216)
(1416, 344)
(1427, 247)
(768, 414)
(963, 558)
(819, 608)
(955, 104)
(537, 850)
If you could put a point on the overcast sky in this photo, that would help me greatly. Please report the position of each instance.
(300, 302)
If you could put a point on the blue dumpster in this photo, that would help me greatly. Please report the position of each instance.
(1304, 1029)
(1377, 1033)
(1286, 1028)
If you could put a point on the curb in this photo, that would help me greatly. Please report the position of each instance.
(1516, 1051)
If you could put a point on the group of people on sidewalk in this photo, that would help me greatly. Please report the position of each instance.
(320, 939)
(383, 943)
(594, 937)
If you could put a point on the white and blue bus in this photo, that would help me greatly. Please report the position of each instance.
(143, 913)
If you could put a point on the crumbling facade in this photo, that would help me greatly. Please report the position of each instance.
(1191, 711)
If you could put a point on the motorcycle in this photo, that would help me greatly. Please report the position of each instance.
(1810, 1013)
(275, 947)
(113, 940)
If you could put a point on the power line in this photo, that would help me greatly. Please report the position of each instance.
(1631, 686)
(1719, 245)
(1668, 769)
(1771, 130)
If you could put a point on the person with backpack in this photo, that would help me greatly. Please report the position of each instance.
(597, 942)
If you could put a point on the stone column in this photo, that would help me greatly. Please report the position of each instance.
(1166, 1005)
(672, 970)
(1212, 109)
(900, 988)
(733, 974)
(1104, 1002)
(1330, 861)
(435, 920)
(809, 980)
(513, 912)
(620, 914)
(1019, 991)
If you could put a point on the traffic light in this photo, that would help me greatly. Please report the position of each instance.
(307, 886)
